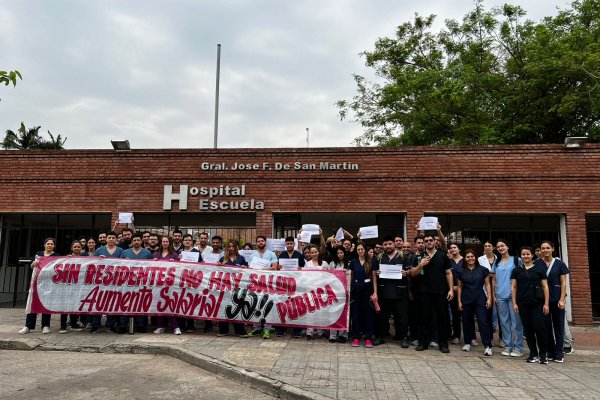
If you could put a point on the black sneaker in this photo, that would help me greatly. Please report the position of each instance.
(420, 347)
(568, 350)
(444, 349)
(378, 341)
(559, 359)
(533, 359)
(94, 330)
(543, 360)
(404, 343)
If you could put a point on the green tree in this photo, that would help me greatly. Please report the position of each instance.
(8, 77)
(491, 78)
(30, 139)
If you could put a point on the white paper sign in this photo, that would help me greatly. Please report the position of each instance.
(211, 257)
(276, 244)
(390, 271)
(247, 254)
(369, 232)
(288, 264)
(305, 236)
(259, 263)
(339, 235)
(428, 223)
(314, 228)
(190, 256)
(125, 218)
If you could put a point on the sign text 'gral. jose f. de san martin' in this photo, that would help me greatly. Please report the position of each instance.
(279, 166)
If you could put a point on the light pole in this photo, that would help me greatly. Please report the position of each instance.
(307, 145)
(217, 94)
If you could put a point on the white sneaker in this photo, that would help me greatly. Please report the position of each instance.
(487, 351)
(516, 353)
(62, 331)
(474, 343)
(25, 330)
(466, 347)
(159, 330)
(177, 331)
(46, 330)
(433, 343)
(506, 352)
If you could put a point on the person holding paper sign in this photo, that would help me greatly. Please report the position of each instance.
(393, 296)
(362, 292)
(291, 253)
(233, 259)
(214, 253)
(188, 245)
(262, 252)
(314, 264)
(473, 302)
(436, 289)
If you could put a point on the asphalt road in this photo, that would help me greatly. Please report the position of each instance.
(70, 376)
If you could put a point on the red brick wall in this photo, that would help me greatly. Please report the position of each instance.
(415, 180)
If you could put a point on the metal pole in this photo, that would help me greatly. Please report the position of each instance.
(217, 94)
(307, 138)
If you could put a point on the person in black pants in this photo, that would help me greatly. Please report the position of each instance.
(436, 289)
(393, 296)
(556, 271)
(49, 246)
(530, 305)
(473, 301)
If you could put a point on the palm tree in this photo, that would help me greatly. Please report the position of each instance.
(29, 139)
(25, 139)
(54, 143)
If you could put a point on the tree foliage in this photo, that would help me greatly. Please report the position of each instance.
(492, 78)
(8, 77)
(30, 139)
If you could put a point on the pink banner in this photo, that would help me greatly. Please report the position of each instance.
(94, 285)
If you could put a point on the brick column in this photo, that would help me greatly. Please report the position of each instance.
(581, 299)
(264, 223)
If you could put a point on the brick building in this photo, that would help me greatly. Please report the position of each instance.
(522, 193)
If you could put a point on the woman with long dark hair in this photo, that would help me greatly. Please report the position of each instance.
(487, 260)
(166, 252)
(339, 262)
(473, 301)
(233, 258)
(556, 271)
(49, 246)
(457, 262)
(530, 301)
(512, 329)
(363, 288)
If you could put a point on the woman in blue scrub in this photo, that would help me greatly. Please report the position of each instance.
(510, 323)
(474, 301)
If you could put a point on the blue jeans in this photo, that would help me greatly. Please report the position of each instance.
(510, 323)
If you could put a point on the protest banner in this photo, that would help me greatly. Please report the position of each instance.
(94, 285)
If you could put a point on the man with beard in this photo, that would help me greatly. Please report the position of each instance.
(202, 244)
(153, 243)
(136, 252)
(101, 239)
(436, 289)
(267, 255)
(146, 240)
(177, 243)
(127, 237)
(393, 296)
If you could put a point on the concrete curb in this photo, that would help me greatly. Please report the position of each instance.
(254, 380)
(19, 343)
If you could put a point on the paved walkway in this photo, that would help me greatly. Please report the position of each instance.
(317, 368)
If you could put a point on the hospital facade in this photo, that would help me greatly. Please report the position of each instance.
(521, 193)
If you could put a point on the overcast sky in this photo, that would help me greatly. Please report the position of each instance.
(145, 70)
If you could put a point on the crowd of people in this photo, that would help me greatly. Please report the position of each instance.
(439, 296)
